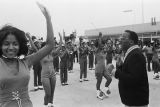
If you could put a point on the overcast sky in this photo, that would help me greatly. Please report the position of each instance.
(78, 15)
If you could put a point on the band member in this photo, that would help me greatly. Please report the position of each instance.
(35, 46)
(109, 49)
(71, 57)
(149, 54)
(91, 55)
(63, 65)
(75, 53)
(56, 61)
(118, 55)
(37, 67)
(155, 62)
(83, 51)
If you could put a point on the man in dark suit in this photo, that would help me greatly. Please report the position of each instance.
(132, 74)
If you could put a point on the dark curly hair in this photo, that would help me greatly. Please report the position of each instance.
(20, 36)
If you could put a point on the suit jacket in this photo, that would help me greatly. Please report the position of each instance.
(133, 79)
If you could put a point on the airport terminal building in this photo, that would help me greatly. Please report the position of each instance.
(145, 31)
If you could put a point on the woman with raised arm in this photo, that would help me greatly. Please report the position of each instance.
(14, 72)
(48, 75)
(101, 70)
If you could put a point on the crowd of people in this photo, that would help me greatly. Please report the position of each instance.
(49, 58)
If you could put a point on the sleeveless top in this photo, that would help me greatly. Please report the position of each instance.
(47, 67)
(100, 57)
(14, 87)
(100, 66)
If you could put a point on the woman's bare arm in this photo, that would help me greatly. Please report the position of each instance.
(31, 59)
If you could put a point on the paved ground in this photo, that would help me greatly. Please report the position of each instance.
(83, 94)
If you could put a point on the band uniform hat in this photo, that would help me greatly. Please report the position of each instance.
(92, 43)
(63, 45)
(69, 41)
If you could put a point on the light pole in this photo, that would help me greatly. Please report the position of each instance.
(129, 11)
(142, 15)
(95, 27)
(142, 11)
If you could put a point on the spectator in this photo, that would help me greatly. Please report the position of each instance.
(132, 74)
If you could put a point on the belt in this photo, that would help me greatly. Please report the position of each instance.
(14, 95)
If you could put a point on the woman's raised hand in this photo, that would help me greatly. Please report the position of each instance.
(60, 36)
(28, 35)
(44, 10)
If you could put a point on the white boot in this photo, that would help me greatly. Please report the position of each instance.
(35, 88)
(107, 91)
(100, 94)
(80, 80)
(85, 79)
(49, 105)
(156, 76)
